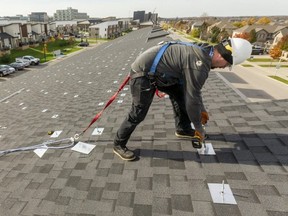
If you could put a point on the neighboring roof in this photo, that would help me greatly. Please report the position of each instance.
(107, 23)
(283, 32)
(149, 23)
(199, 23)
(86, 22)
(225, 25)
(5, 35)
(34, 33)
(267, 28)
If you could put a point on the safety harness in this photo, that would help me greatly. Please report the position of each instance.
(152, 73)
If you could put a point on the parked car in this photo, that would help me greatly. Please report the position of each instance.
(83, 44)
(11, 69)
(23, 61)
(33, 60)
(257, 50)
(17, 65)
(4, 71)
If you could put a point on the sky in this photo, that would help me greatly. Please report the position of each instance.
(164, 8)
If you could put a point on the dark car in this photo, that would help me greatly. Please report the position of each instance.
(4, 70)
(17, 65)
(256, 50)
(83, 44)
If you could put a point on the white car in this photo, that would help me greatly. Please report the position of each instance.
(33, 60)
(23, 61)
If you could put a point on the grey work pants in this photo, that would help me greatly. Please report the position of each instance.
(142, 96)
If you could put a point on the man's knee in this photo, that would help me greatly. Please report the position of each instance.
(138, 114)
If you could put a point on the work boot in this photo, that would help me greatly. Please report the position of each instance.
(124, 153)
(189, 134)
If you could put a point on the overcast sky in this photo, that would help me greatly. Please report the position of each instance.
(164, 8)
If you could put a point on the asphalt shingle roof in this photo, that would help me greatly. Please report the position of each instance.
(170, 177)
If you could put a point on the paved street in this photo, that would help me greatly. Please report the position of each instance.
(250, 139)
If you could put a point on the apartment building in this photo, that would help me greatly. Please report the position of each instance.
(38, 17)
(69, 14)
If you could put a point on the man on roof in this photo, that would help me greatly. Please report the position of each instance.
(179, 70)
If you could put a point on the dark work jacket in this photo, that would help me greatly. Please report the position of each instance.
(187, 65)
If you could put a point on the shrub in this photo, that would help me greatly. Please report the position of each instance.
(5, 59)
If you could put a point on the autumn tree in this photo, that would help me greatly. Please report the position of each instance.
(165, 26)
(238, 24)
(275, 52)
(249, 21)
(263, 21)
(244, 35)
(282, 45)
(195, 33)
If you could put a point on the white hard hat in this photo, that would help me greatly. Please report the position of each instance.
(241, 50)
(234, 50)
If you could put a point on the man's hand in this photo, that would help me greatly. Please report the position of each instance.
(201, 135)
(204, 118)
(198, 139)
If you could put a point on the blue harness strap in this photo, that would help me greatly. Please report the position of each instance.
(158, 57)
(163, 49)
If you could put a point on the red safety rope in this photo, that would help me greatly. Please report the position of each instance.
(159, 94)
(97, 116)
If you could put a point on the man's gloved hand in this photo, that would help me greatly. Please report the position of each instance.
(201, 135)
(204, 118)
(199, 138)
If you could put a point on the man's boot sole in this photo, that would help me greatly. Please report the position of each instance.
(183, 136)
(126, 159)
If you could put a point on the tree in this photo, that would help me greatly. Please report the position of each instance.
(204, 15)
(203, 30)
(238, 24)
(165, 26)
(253, 37)
(195, 33)
(244, 35)
(249, 21)
(275, 52)
(282, 45)
(222, 35)
(215, 31)
(263, 21)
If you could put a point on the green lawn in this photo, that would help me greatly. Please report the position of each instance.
(262, 60)
(273, 65)
(279, 79)
(38, 52)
